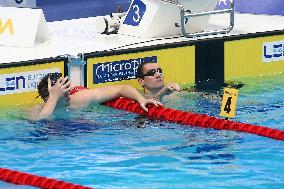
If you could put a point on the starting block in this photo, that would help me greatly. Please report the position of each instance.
(160, 18)
(22, 27)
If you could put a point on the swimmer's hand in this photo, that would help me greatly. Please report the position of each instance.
(172, 87)
(145, 102)
(168, 89)
(60, 88)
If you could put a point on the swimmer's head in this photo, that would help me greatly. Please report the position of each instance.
(150, 76)
(42, 87)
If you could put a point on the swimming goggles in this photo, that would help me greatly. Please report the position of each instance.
(153, 71)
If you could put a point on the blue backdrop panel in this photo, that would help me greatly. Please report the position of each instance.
(70, 9)
(273, 7)
(261, 6)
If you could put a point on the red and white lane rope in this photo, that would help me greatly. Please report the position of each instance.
(193, 119)
(20, 178)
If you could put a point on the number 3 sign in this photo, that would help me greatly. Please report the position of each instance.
(135, 13)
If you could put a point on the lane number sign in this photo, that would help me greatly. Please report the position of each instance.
(135, 13)
(229, 102)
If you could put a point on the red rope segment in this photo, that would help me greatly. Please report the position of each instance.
(21, 178)
(193, 119)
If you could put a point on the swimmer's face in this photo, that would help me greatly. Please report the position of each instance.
(152, 77)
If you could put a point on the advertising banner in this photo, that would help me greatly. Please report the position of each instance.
(122, 69)
(255, 56)
(18, 85)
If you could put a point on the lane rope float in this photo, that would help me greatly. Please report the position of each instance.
(21, 178)
(194, 119)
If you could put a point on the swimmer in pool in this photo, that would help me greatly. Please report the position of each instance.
(150, 77)
(56, 92)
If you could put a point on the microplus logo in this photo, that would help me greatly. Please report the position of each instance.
(273, 51)
(118, 70)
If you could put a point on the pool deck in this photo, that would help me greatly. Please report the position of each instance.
(80, 36)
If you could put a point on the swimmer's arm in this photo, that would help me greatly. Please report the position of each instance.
(44, 111)
(108, 93)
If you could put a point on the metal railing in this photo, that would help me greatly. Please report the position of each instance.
(184, 15)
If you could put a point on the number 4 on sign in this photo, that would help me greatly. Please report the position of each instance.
(229, 102)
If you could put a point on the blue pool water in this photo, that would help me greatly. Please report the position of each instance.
(106, 148)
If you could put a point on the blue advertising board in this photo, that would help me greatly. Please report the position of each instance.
(118, 70)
